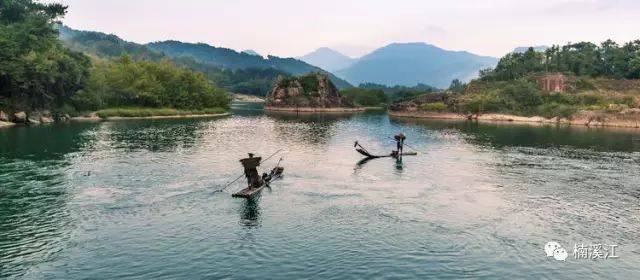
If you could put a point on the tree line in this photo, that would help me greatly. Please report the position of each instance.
(609, 59)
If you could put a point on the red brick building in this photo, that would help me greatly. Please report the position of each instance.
(553, 82)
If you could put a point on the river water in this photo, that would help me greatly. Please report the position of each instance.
(138, 200)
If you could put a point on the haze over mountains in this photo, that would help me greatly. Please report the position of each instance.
(405, 64)
(231, 69)
(328, 59)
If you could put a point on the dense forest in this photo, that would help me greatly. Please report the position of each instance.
(581, 59)
(399, 93)
(38, 72)
(123, 82)
(366, 97)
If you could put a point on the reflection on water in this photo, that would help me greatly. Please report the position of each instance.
(307, 128)
(533, 135)
(153, 135)
(251, 212)
(136, 199)
(35, 222)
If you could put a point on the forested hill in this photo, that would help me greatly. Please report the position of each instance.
(105, 45)
(244, 77)
(230, 59)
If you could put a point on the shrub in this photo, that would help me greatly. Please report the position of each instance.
(86, 101)
(552, 110)
(525, 94)
(309, 83)
(590, 99)
(616, 108)
(365, 97)
(438, 106)
(487, 102)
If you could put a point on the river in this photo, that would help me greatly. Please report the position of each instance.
(137, 200)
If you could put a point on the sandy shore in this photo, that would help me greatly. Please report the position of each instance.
(314, 110)
(582, 119)
(96, 118)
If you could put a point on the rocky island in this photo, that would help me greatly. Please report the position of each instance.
(310, 93)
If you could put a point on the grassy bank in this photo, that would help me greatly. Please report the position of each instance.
(523, 97)
(135, 112)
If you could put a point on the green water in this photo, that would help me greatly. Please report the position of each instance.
(137, 200)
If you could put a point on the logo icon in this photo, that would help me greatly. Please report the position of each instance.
(555, 250)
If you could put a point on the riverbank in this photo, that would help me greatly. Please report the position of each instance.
(150, 113)
(584, 118)
(96, 118)
(315, 109)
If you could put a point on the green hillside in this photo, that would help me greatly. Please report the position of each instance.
(231, 60)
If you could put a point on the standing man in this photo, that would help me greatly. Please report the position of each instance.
(250, 165)
(399, 144)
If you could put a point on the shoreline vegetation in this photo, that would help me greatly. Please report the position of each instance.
(151, 113)
(576, 84)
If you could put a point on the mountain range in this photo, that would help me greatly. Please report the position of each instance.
(201, 57)
(233, 60)
(405, 64)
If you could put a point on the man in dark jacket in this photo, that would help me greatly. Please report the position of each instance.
(399, 144)
(250, 165)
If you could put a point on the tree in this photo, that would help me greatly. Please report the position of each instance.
(457, 86)
(36, 70)
(582, 59)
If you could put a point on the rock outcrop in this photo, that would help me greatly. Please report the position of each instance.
(46, 117)
(20, 117)
(4, 117)
(313, 91)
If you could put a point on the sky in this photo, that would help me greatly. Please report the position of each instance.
(291, 28)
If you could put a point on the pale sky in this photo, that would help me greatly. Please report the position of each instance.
(292, 28)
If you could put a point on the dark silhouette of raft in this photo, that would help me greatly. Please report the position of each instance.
(249, 192)
(393, 154)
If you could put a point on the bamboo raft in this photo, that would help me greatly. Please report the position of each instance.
(369, 156)
(250, 192)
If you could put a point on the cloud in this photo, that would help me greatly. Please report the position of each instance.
(585, 6)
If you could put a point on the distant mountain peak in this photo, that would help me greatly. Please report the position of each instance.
(412, 63)
(328, 59)
(251, 52)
